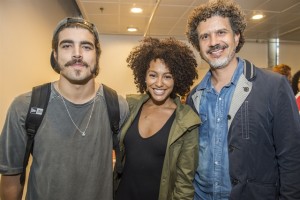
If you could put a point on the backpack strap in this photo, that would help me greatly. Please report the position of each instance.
(113, 109)
(37, 108)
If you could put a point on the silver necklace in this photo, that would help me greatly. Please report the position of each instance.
(88, 123)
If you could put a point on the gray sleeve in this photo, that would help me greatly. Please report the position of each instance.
(13, 136)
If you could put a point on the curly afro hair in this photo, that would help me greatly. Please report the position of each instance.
(295, 81)
(223, 8)
(176, 55)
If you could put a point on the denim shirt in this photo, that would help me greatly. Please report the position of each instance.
(212, 180)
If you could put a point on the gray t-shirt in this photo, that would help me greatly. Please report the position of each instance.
(65, 165)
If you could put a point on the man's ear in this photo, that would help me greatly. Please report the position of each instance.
(236, 39)
(55, 55)
(53, 61)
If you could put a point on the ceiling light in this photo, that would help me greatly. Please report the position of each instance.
(136, 10)
(132, 29)
(257, 16)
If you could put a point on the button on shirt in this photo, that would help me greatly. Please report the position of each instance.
(212, 180)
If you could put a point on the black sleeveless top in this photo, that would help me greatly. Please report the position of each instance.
(143, 163)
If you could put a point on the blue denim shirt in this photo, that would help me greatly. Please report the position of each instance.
(212, 180)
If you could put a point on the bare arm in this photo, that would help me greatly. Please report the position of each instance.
(10, 187)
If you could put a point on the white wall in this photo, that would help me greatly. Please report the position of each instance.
(113, 67)
(290, 55)
(256, 53)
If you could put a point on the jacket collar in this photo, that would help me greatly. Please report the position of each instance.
(249, 70)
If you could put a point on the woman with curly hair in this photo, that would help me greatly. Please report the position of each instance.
(159, 141)
(296, 87)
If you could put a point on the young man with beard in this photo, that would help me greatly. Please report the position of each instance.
(250, 131)
(72, 154)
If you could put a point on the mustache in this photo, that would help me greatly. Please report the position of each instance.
(217, 47)
(76, 61)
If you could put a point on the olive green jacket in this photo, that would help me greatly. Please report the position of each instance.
(181, 157)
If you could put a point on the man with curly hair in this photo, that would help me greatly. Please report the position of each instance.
(250, 131)
(159, 141)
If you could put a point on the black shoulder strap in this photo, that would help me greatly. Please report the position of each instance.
(37, 108)
(113, 109)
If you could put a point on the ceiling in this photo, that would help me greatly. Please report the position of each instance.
(166, 18)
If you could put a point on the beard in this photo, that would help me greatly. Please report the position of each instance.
(75, 78)
(219, 62)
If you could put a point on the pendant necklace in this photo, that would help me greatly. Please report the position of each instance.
(88, 123)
